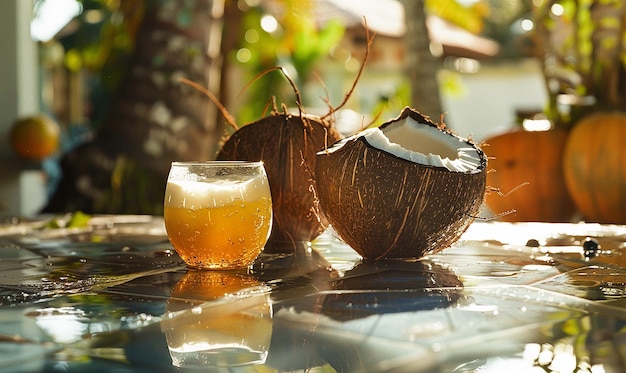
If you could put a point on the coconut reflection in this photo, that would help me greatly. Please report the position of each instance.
(365, 290)
(218, 319)
(317, 331)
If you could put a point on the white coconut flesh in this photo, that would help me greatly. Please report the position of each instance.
(423, 144)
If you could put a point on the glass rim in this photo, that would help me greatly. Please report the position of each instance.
(217, 163)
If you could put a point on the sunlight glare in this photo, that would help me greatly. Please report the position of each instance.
(244, 55)
(527, 24)
(269, 24)
(557, 9)
(51, 16)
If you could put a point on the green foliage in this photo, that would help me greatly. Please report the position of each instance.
(132, 190)
(106, 34)
(390, 105)
(584, 51)
(76, 219)
(312, 45)
(297, 45)
(471, 18)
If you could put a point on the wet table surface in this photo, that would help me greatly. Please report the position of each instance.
(114, 296)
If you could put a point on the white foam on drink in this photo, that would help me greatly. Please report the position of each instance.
(214, 193)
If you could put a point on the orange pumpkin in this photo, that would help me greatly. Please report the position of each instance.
(531, 162)
(594, 165)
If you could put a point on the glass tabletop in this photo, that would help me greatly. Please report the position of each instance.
(114, 296)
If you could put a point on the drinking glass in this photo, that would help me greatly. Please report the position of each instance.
(218, 214)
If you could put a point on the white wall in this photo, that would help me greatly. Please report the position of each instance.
(476, 104)
(486, 100)
(19, 78)
(22, 186)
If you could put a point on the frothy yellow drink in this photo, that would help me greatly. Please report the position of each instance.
(221, 222)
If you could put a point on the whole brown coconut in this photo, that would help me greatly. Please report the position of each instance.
(287, 144)
(404, 190)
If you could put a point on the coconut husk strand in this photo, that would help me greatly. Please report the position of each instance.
(389, 195)
(287, 144)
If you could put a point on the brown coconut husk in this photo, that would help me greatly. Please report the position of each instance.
(287, 144)
(386, 207)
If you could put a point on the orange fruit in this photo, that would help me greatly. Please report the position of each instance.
(35, 137)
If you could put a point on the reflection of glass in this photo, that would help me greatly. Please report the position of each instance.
(218, 215)
(218, 319)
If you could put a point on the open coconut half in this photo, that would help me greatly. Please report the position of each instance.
(403, 190)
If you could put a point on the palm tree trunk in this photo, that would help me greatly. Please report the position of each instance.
(153, 119)
(422, 67)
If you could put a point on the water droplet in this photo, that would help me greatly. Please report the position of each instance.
(614, 290)
(164, 253)
(241, 240)
(532, 243)
(591, 247)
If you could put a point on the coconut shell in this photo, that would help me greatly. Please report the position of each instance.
(387, 207)
(287, 145)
